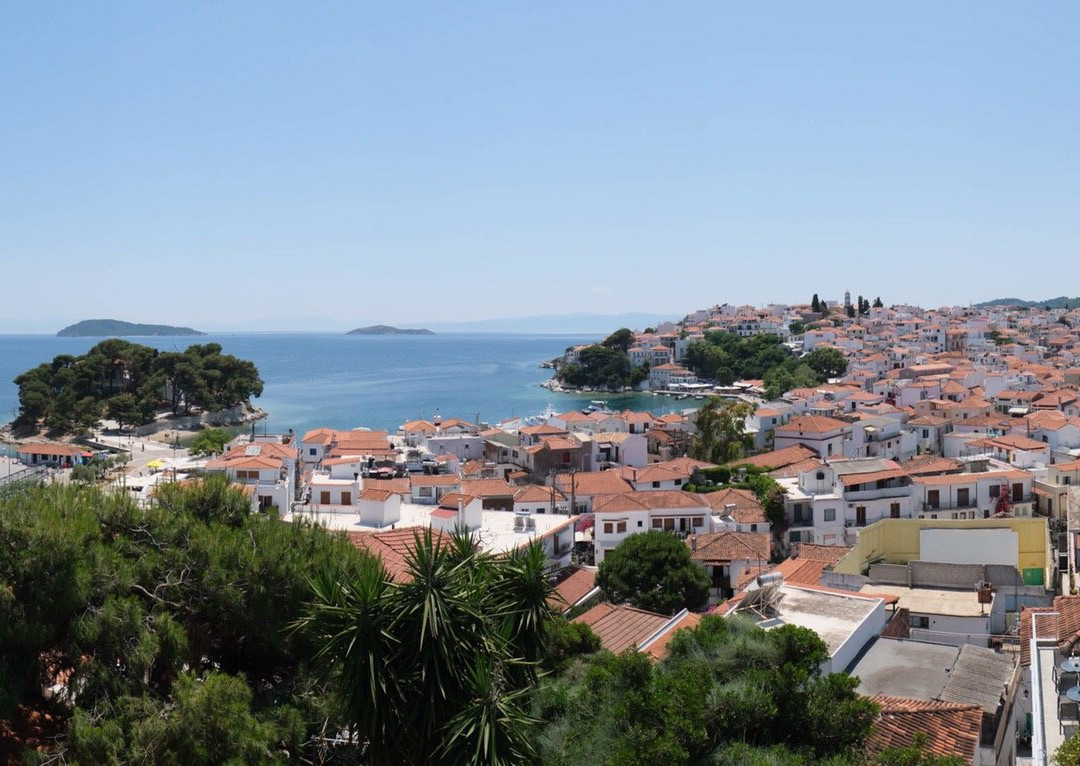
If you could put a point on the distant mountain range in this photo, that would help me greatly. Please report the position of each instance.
(115, 328)
(1054, 303)
(385, 329)
(558, 324)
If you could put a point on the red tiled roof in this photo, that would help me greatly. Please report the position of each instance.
(621, 627)
(779, 458)
(393, 547)
(729, 546)
(572, 589)
(830, 554)
(950, 728)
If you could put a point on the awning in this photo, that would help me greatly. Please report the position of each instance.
(155, 463)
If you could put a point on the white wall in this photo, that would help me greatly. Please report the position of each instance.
(969, 546)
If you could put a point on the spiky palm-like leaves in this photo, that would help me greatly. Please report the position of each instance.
(437, 668)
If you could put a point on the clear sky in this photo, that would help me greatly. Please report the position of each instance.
(229, 165)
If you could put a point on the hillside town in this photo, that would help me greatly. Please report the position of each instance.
(919, 514)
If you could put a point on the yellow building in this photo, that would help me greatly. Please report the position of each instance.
(987, 541)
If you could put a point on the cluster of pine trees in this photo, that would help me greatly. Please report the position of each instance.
(130, 383)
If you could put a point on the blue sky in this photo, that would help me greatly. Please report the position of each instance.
(230, 165)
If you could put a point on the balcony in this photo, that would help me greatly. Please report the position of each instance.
(877, 494)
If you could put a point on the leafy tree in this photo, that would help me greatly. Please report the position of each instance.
(1068, 754)
(653, 571)
(827, 362)
(720, 436)
(129, 383)
(728, 692)
(210, 441)
(566, 641)
(440, 668)
(169, 625)
(796, 328)
(598, 366)
(620, 340)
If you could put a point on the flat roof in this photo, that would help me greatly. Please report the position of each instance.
(497, 533)
(833, 616)
(955, 603)
(969, 675)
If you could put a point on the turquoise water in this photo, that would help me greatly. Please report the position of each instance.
(347, 381)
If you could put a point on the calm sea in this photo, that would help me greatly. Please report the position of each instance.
(347, 381)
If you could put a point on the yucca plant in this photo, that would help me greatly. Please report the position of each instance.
(439, 667)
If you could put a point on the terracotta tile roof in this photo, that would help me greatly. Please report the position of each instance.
(419, 426)
(779, 458)
(801, 571)
(830, 554)
(950, 728)
(851, 479)
(811, 424)
(487, 487)
(793, 470)
(58, 450)
(651, 473)
(710, 547)
(375, 495)
(393, 546)
(397, 486)
(533, 493)
(435, 480)
(929, 464)
(1065, 626)
(686, 465)
(747, 508)
(621, 627)
(588, 483)
(653, 500)
(969, 478)
(542, 430)
(573, 588)
(658, 648)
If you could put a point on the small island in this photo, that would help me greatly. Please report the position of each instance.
(383, 329)
(115, 328)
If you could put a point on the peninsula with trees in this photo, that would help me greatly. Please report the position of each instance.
(131, 384)
(116, 328)
(385, 329)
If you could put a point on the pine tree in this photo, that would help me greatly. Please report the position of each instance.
(878, 304)
(815, 304)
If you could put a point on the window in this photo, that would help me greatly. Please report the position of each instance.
(753, 527)
(795, 537)
(608, 527)
(639, 523)
(894, 510)
(995, 490)
(424, 492)
(933, 498)
(657, 523)
(830, 514)
(699, 521)
(962, 496)
(678, 482)
(821, 476)
(312, 451)
(926, 433)
(620, 527)
(918, 621)
(656, 485)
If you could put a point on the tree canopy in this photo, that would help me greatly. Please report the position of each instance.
(653, 571)
(130, 383)
(720, 431)
(602, 366)
(728, 692)
(170, 627)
